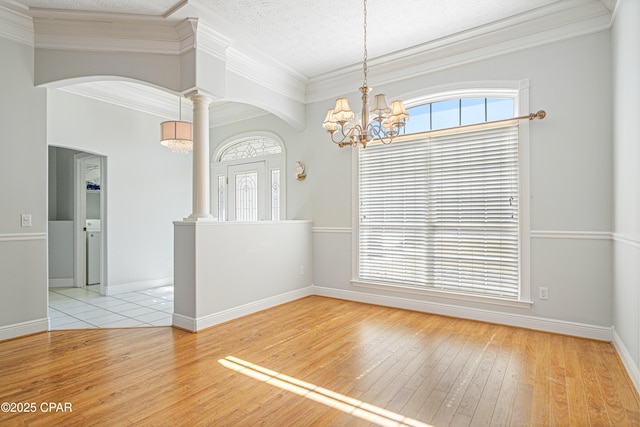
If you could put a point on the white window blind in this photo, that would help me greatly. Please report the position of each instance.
(441, 212)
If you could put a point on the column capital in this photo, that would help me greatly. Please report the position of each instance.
(198, 95)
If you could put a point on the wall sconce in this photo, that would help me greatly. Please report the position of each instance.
(300, 174)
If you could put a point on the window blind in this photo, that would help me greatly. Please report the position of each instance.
(441, 212)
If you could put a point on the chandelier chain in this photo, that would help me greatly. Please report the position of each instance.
(364, 62)
(382, 122)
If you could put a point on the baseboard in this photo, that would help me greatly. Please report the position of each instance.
(542, 324)
(184, 322)
(61, 283)
(24, 328)
(137, 286)
(627, 360)
(194, 325)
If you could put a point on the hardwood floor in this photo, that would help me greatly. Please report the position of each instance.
(316, 361)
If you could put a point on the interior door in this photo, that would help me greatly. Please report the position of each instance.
(246, 192)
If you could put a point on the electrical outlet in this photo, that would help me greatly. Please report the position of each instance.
(170, 263)
(543, 293)
(25, 220)
(301, 270)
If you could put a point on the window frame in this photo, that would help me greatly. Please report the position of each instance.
(271, 162)
(519, 90)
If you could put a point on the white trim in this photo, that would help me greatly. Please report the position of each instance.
(467, 89)
(96, 32)
(15, 23)
(585, 235)
(559, 21)
(184, 322)
(196, 34)
(339, 230)
(534, 234)
(276, 77)
(209, 320)
(627, 360)
(111, 290)
(24, 328)
(17, 237)
(62, 283)
(612, 5)
(442, 294)
(601, 333)
(238, 223)
(626, 240)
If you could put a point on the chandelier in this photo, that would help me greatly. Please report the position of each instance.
(176, 134)
(382, 122)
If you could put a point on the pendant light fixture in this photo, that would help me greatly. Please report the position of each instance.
(177, 134)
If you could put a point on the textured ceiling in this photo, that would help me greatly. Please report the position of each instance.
(314, 37)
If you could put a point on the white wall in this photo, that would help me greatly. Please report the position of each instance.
(226, 270)
(23, 177)
(625, 37)
(147, 186)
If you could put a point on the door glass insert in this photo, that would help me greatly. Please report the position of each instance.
(247, 196)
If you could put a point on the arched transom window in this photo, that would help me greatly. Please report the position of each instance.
(248, 176)
(251, 147)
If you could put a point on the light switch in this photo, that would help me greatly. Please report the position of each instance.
(26, 220)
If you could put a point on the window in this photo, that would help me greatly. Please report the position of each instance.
(249, 175)
(450, 113)
(440, 210)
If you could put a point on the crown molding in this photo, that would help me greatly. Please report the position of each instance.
(241, 57)
(105, 32)
(15, 23)
(266, 75)
(222, 114)
(160, 103)
(210, 41)
(559, 21)
(176, 33)
(135, 96)
(610, 4)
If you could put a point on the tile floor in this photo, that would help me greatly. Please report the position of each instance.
(76, 308)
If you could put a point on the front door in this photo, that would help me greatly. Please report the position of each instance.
(247, 200)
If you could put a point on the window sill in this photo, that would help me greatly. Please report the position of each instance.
(442, 294)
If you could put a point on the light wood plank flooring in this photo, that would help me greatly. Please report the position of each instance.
(317, 361)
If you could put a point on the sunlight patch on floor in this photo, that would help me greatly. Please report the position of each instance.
(330, 398)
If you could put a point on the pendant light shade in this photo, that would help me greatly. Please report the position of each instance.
(177, 134)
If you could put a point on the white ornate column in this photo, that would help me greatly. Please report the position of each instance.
(201, 180)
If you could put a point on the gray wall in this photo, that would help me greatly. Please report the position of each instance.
(591, 280)
(61, 191)
(23, 183)
(570, 178)
(626, 145)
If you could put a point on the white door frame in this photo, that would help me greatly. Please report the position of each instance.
(80, 215)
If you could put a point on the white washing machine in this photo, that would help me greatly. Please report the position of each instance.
(94, 243)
